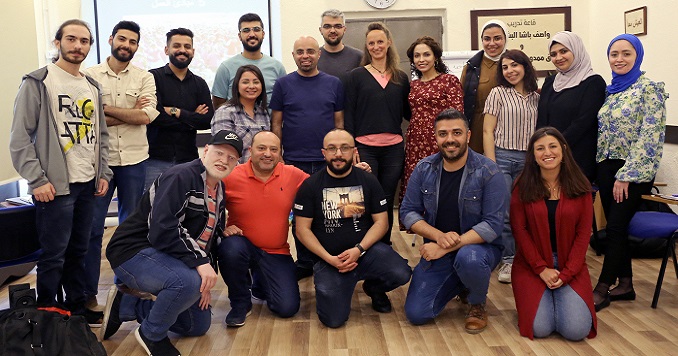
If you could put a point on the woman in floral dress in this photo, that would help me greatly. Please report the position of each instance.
(433, 92)
(631, 127)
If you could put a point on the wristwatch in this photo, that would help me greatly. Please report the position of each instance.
(173, 111)
(360, 248)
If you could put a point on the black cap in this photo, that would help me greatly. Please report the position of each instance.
(227, 137)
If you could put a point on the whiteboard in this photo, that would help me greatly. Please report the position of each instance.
(455, 60)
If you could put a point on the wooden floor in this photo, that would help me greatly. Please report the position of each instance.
(626, 328)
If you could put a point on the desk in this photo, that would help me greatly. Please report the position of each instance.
(658, 198)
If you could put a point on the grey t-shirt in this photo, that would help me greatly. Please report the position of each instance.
(339, 63)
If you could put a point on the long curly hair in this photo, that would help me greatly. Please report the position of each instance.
(439, 65)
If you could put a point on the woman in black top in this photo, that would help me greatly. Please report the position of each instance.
(570, 100)
(376, 103)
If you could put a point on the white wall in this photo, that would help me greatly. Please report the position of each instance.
(595, 21)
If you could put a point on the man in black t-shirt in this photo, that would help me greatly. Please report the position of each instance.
(341, 216)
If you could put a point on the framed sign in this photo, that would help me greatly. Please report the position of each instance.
(530, 30)
(635, 21)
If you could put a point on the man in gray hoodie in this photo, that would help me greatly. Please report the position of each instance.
(59, 144)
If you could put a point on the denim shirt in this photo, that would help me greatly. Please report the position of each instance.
(482, 196)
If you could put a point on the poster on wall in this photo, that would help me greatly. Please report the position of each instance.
(529, 30)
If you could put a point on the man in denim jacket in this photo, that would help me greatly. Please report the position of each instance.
(462, 237)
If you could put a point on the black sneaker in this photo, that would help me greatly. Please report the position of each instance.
(236, 317)
(94, 318)
(163, 347)
(380, 301)
(112, 321)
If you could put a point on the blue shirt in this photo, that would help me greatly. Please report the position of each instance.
(308, 105)
(481, 197)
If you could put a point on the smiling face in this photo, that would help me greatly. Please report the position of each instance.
(251, 34)
(306, 54)
(377, 44)
(452, 138)
(124, 45)
(513, 71)
(423, 58)
(219, 160)
(265, 152)
(622, 57)
(339, 163)
(74, 44)
(493, 41)
(561, 57)
(249, 86)
(180, 51)
(548, 153)
(332, 29)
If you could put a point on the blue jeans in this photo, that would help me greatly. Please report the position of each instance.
(385, 269)
(564, 311)
(64, 225)
(154, 168)
(177, 288)
(130, 183)
(387, 165)
(434, 283)
(511, 163)
(276, 276)
(305, 257)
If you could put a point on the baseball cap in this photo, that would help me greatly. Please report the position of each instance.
(227, 137)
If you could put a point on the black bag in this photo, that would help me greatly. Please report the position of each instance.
(31, 331)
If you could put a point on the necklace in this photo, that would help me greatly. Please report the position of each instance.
(380, 71)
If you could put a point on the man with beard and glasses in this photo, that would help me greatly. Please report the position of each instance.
(336, 58)
(59, 144)
(455, 201)
(251, 34)
(184, 105)
(341, 216)
(306, 105)
(129, 105)
(166, 248)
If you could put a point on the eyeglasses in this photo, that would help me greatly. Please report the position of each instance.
(344, 149)
(336, 26)
(248, 29)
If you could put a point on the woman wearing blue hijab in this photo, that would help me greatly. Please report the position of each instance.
(631, 125)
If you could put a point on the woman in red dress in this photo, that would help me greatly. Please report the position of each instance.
(434, 91)
(551, 213)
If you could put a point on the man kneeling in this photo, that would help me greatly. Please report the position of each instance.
(341, 216)
(164, 248)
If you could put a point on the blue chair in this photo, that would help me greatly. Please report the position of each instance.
(19, 246)
(657, 225)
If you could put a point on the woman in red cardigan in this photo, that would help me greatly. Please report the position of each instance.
(551, 212)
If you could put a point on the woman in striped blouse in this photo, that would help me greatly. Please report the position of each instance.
(510, 118)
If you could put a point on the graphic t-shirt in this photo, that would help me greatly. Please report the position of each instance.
(74, 108)
(341, 208)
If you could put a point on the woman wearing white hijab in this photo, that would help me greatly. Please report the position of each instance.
(479, 77)
(570, 100)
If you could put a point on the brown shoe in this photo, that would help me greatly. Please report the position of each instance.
(476, 319)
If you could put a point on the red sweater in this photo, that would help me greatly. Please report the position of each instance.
(529, 222)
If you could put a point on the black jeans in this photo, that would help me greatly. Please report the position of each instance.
(387, 164)
(617, 261)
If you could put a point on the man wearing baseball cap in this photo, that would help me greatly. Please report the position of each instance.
(165, 248)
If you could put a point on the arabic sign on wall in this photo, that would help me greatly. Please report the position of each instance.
(529, 30)
(635, 21)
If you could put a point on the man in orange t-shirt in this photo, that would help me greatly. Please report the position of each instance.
(259, 197)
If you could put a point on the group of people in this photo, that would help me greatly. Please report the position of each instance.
(492, 171)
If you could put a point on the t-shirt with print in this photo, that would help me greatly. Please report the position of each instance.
(341, 208)
(74, 108)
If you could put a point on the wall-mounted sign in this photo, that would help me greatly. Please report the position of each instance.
(635, 21)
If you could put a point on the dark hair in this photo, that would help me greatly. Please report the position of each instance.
(392, 58)
(127, 25)
(249, 17)
(235, 94)
(572, 180)
(439, 65)
(179, 31)
(518, 56)
(451, 114)
(60, 33)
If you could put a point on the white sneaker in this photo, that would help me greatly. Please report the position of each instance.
(505, 273)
